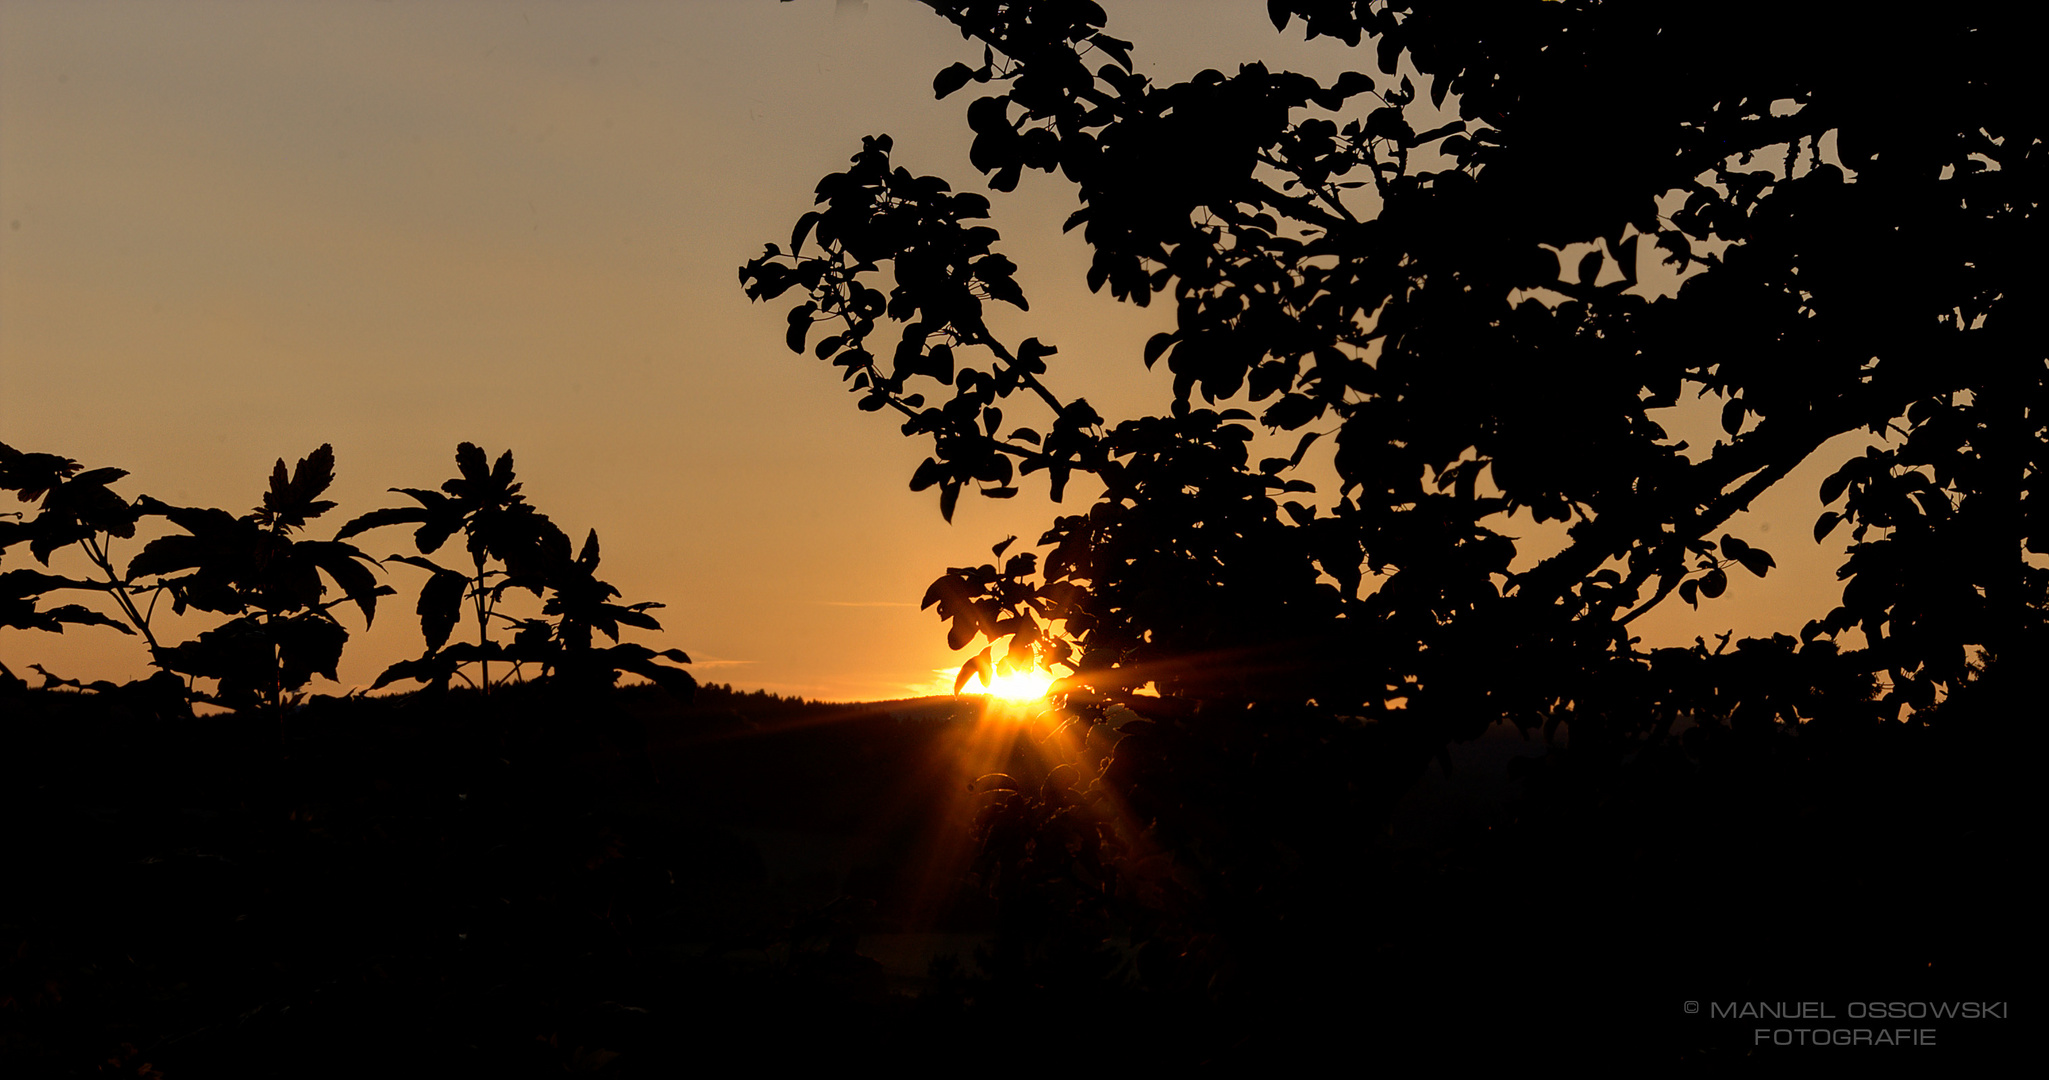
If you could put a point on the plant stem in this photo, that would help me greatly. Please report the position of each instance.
(118, 589)
(483, 630)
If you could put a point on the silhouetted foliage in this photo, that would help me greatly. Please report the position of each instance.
(484, 504)
(1480, 290)
(273, 585)
(1396, 280)
(251, 568)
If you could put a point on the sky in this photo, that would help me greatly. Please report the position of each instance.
(234, 232)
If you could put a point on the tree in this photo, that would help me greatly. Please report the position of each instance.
(1449, 283)
(1477, 273)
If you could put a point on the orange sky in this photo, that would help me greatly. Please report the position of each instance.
(233, 232)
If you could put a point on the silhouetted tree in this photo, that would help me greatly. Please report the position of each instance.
(1479, 274)
(1451, 283)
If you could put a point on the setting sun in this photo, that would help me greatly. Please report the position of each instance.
(1021, 685)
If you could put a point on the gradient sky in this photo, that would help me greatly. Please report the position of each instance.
(230, 232)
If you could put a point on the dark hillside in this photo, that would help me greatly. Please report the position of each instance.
(479, 887)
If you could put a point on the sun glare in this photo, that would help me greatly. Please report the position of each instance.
(1021, 685)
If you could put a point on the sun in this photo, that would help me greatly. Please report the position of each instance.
(1021, 685)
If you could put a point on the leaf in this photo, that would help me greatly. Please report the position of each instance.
(976, 665)
(1677, 247)
(1277, 10)
(1732, 415)
(1352, 84)
(291, 504)
(32, 582)
(1756, 561)
(928, 473)
(626, 616)
(1713, 583)
(355, 579)
(501, 475)
(470, 461)
(167, 555)
(1590, 268)
(1832, 488)
(1302, 448)
(195, 520)
(639, 660)
(950, 79)
(33, 475)
(432, 669)
(377, 519)
(440, 606)
(1117, 48)
(1031, 352)
(949, 592)
(1625, 258)
(1291, 412)
(21, 614)
(1826, 524)
(428, 565)
(802, 229)
(307, 645)
(99, 477)
(80, 615)
(800, 325)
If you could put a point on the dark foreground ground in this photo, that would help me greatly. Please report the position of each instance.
(450, 888)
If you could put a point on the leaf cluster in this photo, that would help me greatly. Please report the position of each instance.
(278, 589)
(513, 546)
(271, 584)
